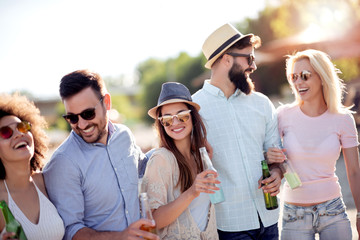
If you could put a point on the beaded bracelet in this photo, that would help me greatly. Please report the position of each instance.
(358, 215)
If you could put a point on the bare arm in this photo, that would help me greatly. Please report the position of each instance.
(88, 233)
(132, 232)
(168, 213)
(351, 158)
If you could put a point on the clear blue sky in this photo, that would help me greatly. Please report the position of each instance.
(42, 40)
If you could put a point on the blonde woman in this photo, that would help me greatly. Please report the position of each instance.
(315, 129)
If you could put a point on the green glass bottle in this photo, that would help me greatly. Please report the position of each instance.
(270, 201)
(11, 224)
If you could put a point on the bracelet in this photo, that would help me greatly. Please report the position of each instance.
(358, 215)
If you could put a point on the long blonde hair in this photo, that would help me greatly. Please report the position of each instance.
(333, 86)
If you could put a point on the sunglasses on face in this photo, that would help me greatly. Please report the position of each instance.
(250, 57)
(7, 132)
(87, 114)
(167, 120)
(304, 75)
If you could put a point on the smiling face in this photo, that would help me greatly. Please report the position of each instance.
(20, 146)
(309, 90)
(178, 130)
(94, 130)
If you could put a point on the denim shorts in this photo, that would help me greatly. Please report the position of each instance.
(328, 219)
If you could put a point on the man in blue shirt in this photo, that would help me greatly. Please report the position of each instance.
(92, 177)
(240, 124)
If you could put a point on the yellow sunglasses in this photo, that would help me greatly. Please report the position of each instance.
(167, 120)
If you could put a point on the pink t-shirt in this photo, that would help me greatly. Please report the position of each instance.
(313, 145)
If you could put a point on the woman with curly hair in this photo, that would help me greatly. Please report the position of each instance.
(23, 144)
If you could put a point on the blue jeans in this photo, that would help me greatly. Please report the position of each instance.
(262, 233)
(328, 219)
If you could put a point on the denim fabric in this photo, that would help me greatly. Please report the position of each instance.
(262, 233)
(329, 219)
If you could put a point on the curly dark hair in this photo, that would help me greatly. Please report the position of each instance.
(25, 110)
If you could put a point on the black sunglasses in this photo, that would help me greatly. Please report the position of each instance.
(250, 57)
(7, 132)
(304, 75)
(87, 114)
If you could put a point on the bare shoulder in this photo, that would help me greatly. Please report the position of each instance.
(3, 192)
(3, 196)
(39, 181)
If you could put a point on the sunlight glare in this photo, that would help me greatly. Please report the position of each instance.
(327, 23)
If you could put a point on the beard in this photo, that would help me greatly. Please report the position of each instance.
(100, 129)
(240, 79)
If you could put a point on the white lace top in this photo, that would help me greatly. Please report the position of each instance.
(160, 179)
(50, 225)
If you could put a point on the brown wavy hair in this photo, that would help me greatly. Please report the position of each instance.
(26, 110)
(198, 139)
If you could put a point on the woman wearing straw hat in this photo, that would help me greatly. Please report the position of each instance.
(175, 179)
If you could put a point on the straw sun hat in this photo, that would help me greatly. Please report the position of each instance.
(219, 41)
(172, 92)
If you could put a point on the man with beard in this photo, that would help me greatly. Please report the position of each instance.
(241, 125)
(92, 177)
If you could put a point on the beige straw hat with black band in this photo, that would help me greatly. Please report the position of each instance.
(219, 41)
(173, 92)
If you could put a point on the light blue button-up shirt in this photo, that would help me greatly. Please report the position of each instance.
(95, 185)
(239, 129)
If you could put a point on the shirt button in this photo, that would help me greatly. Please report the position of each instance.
(122, 189)
(127, 212)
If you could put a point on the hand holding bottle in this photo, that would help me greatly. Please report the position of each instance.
(147, 214)
(205, 182)
(290, 174)
(271, 184)
(134, 231)
(11, 224)
(270, 201)
(218, 196)
(275, 154)
(8, 235)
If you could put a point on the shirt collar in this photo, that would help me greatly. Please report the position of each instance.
(217, 91)
(111, 129)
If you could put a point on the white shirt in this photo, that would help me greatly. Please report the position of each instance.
(50, 225)
(239, 129)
